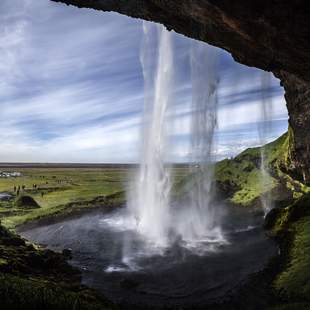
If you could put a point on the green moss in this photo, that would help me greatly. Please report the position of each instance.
(27, 202)
(40, 279)
(294, 281)
(281, 221)
(21, 293)
(240, 178)
(66, 210)
(243, 174)
(3, 262)
(292, 227)
(63, 191)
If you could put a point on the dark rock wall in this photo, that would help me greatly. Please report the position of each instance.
(273, 35)
(297, 95)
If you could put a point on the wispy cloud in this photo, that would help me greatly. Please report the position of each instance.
(71, 88)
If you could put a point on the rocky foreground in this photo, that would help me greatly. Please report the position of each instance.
(32, 278)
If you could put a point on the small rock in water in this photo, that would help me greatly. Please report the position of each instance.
(67, 253)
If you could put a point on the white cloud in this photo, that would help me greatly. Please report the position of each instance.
(71, 87)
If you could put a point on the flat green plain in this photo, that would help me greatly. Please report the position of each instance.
(57, 189)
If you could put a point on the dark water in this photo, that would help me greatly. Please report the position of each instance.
(117, 261)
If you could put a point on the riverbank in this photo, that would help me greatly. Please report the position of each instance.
(33, 278)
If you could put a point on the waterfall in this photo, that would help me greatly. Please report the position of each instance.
(204, 60)
(199, 221)
(264, 130)
(149, 204)
(150, 200)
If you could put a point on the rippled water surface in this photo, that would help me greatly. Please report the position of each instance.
(128, 269)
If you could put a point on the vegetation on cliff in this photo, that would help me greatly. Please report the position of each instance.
(239, 179)
(291, 227)
(32, 278)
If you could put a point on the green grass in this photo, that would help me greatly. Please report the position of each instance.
(60, 187)
(34, 293)
(243, 173)
(291, 226)
(241, 181)
(243, 176)
(67, 190)
(32, 278)
(66, 185)
(294, 281)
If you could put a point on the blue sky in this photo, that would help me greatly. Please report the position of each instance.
(71, 89)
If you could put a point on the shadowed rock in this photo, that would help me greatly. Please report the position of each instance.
(27, 202)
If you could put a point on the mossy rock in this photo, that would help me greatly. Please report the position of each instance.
(41, 279)
(280, 218)
(293, 283)
(17, 292)
(291, 226)
(26, 202)
(240, 179)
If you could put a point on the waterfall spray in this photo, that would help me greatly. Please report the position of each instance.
(204, 60)
(199, 219)
(265, 128)
(150, 203)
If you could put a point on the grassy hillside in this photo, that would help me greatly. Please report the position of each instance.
(241, 178)
(238, 180)
(291, 226)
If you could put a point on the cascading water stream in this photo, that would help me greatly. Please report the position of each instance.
(264, 129)
(150, 203)
(204, 61)
(199, 221)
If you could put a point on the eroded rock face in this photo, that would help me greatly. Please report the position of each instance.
(297, 95)
(273, 35)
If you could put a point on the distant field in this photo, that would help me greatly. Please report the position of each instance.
(56, 187)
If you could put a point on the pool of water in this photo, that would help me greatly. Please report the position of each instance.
(116, 260)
